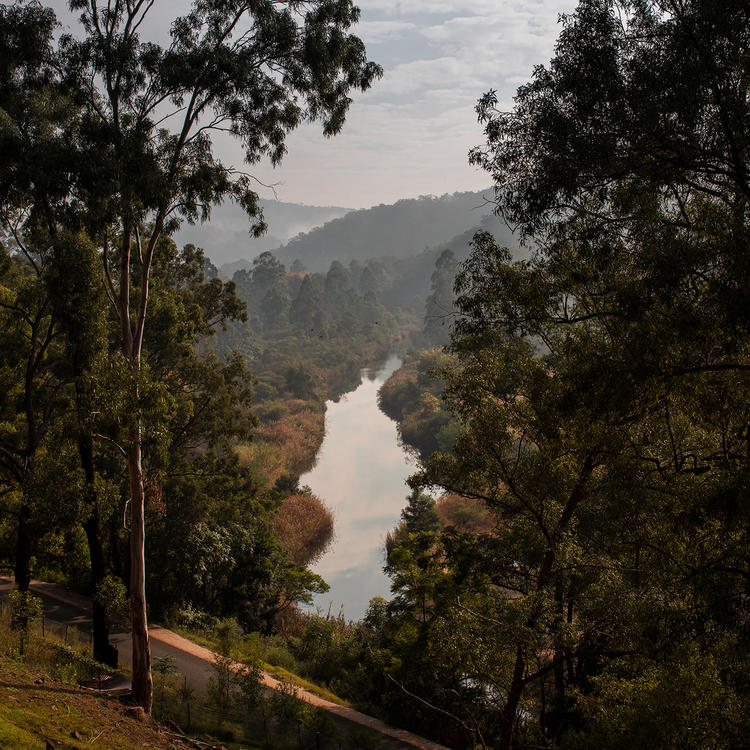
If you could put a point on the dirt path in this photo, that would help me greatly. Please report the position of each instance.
(196, 662)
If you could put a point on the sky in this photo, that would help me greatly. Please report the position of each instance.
(410, 134)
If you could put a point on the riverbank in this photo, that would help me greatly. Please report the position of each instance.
(296, 380)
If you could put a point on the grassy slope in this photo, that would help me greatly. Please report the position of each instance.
(31, 715)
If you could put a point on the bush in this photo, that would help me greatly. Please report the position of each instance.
(303, 525)
(195, 619)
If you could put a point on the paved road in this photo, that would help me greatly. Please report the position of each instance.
(63, 609)
(66, 609)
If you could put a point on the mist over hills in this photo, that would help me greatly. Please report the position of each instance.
(412, 280)
(399, 230)
(225, 237)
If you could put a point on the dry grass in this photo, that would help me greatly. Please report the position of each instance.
(36, 710)
(466, 514)
(298, 435)
(288, 445)
(303, 524)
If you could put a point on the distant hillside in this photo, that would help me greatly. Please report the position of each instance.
(405, 228)
(225, 237)
(411, 283)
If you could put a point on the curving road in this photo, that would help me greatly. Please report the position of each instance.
(65, 609)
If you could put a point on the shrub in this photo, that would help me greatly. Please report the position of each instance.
(303, 525)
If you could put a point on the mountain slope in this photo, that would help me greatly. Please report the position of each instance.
(411, 284)
(402, 229)
(225, 237)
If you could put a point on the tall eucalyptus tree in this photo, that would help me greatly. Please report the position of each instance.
(138, 154)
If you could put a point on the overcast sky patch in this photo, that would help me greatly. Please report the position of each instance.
(410, 135)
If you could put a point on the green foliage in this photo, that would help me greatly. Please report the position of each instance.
(419, 515)
(412, 397)
(391, 232)
(24, 608)
(221, 684)
(40, 484)
(95, 173)
(439, 308)
(227, 634)
(337, 655)
(113, 596)
(678, 703)
(600, 393)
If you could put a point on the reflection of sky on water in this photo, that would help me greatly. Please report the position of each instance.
(360, 474)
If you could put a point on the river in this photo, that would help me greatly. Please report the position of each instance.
(360, 474)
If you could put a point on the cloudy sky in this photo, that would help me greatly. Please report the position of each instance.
(410, 134)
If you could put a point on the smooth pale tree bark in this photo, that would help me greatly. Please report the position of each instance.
(142, 681)
(132, 344)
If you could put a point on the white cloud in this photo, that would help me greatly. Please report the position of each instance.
(372, 32)
(429, 7)
(412, 132)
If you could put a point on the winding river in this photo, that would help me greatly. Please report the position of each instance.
(360, 474)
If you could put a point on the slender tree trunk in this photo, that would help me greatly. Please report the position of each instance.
(511, 704)
(22, 568)
(560, 709)
(142, 682)
(143, 688)
(104, 652)
(119, 568)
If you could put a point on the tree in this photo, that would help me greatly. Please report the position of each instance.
(79, 305)
(337, 284)
(601, 386)
(367, 283)
(439, 309)
(254, 70)
(38, 479)
(275, 308)
(305, 307)
(267, 273)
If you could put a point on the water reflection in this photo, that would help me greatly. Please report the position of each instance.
(360, 474)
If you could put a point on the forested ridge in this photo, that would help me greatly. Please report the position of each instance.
(392, 231)
(232, 246)
(571, 565)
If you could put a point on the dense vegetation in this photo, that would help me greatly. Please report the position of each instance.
(233, 246)
(49, 698)
(582, 581)
(106, 406)
(412, 398)
(601, 392)
(394, 231)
